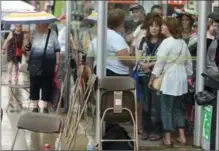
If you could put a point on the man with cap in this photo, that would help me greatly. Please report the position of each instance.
(138, 14)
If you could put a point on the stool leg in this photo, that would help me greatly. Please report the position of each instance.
(13, 144)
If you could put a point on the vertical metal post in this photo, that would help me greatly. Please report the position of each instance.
(165, 7)
(209, 7)
(217, 124)
(202, 27)
(101, 56)
(0, 72)
(67, 54)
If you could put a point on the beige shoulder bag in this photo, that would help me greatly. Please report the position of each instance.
(158, 80)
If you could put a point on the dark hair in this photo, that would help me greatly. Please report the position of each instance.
(158, 21)
(174, 27)
(192, 20)
(156, 7)
(116, 17)
(146, 19)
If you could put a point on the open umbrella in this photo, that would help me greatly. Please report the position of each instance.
(29, 18)
(8, 6)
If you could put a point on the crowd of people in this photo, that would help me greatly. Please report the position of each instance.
(163, 65)
(162, 49)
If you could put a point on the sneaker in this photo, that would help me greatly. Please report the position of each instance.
(45, 110)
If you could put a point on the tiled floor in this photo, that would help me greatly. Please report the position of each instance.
(25, 140)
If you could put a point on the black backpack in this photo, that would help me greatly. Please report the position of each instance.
(117, 132)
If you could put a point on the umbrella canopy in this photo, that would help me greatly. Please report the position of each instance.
(29, 18)
(8, 6)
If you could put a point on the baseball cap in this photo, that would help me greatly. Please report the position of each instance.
(137, 6)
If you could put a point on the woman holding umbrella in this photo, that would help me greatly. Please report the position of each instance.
(44, 53)
(44, 47)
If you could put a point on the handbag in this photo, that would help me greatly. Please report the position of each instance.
(204, 98)
(35, 66)
(158, 80)
(18, 51)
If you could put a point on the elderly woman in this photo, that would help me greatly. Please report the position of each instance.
(116, 46)
(43, 63)
(175, 66)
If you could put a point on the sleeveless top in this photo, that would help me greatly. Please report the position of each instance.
(16, 38)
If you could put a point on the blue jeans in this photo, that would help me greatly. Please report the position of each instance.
(172, 112)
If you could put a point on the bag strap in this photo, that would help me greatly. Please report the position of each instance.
(173, 62)
(46, 44)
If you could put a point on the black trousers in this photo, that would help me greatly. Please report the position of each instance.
(43, 83)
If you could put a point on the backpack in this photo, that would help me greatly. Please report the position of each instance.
(117, 132)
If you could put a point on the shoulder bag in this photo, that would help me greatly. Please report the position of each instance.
(35, 66)
(158, 80)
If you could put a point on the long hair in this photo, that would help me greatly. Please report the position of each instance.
(158, 21)
(174, 27)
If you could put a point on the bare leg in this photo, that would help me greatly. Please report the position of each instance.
(10, 71)
(34, 105)
(182, 138)
(43, 106)
(167, 138)
(16, 71)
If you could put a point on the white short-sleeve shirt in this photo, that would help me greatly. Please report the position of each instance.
(174, 59)
(115, 43)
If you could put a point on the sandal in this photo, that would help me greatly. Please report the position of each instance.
(155, 137)
(16, 78)
(181, 143)
(144, 136)
(167, 145)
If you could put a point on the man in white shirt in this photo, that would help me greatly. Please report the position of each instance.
(138, 15)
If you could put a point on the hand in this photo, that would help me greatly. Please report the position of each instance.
(56, 68)
(3, 51)
(150, 84)
(144, 65)
(190, 82)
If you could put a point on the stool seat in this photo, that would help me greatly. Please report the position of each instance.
(40, 122)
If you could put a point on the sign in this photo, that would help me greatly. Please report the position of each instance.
(176, 2)
(206, 122)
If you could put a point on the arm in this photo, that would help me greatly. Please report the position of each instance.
(188, 63)
(163, 50)
(57, 51)
(122, 54)
(90, 54)
(121, 49)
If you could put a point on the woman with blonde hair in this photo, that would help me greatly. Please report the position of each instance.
(14, 45)
(174, 66)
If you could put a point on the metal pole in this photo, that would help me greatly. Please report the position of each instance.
(0, 71)
(101, 56)
(165, 7)
(202, 27)
(67, 54)
(217, 124)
